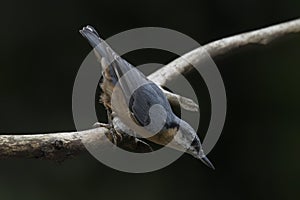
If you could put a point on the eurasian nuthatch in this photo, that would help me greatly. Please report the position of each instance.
(136, 99)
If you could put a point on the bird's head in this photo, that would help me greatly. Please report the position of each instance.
(187, 138)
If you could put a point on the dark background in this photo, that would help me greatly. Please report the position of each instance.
(257, 156)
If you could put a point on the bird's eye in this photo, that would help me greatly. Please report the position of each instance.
(196, 144)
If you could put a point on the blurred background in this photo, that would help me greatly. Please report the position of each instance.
(257, 156)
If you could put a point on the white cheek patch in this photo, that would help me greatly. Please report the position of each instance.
(180, 141)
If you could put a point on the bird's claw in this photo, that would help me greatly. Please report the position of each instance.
(143, 144)
(113, 136)
(98, 125)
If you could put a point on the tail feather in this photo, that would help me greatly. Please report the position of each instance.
(101, 48)
(112, 64)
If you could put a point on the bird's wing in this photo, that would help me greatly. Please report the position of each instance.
(143, 99)
(118, 69)
(139, 92)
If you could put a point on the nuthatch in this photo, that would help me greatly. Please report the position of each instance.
(136, 98)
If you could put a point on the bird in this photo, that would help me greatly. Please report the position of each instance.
(138, 105)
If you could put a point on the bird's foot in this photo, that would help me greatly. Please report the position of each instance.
(113, 135)
(142, 146)
(98, 125)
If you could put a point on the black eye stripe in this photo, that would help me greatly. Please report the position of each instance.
(196, 144)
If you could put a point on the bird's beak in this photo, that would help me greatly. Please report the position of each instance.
(205, 160)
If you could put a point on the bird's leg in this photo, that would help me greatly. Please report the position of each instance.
(142, 144)
(129, 136)
(139, 145)
(98, 124)
(113, 134)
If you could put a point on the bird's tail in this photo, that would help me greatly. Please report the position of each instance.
(101, 48)
(106, 55)
(113, 66)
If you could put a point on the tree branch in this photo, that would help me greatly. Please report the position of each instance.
(60, 146)
(261, 36)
